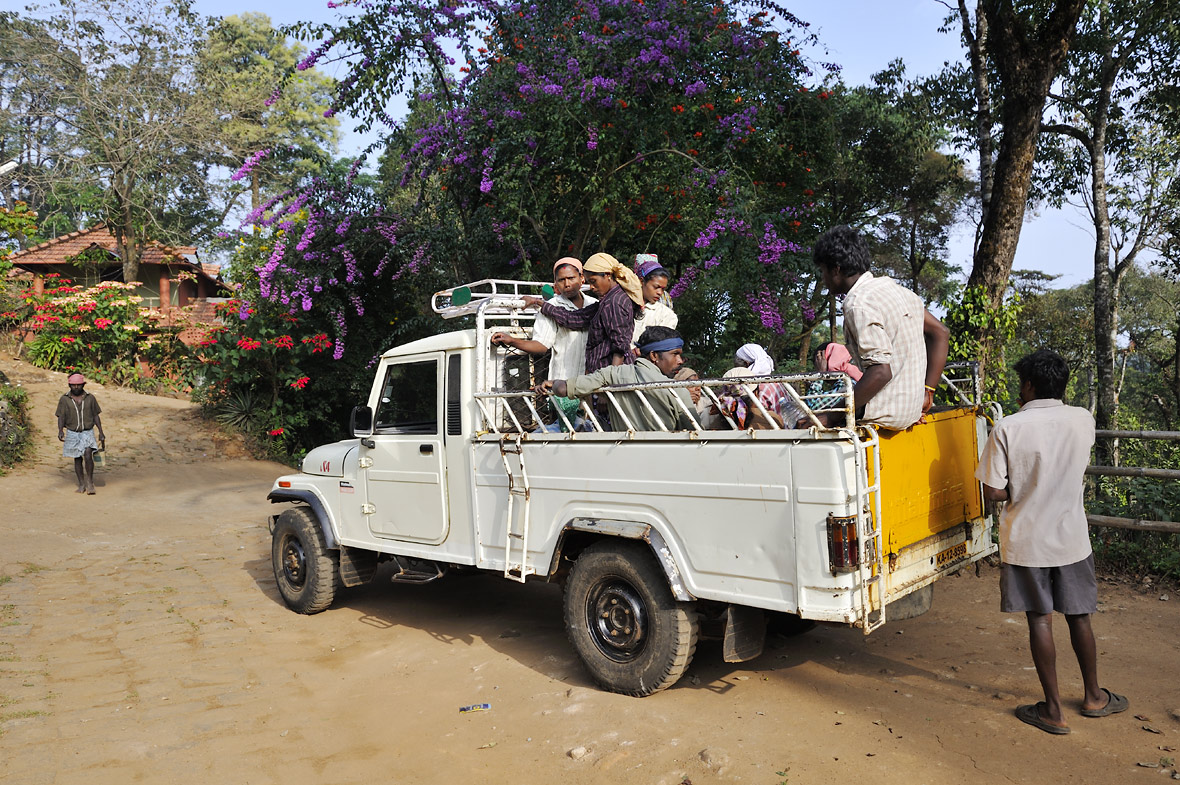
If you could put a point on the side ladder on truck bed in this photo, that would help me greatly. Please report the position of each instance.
(516, 536)
(871, 563)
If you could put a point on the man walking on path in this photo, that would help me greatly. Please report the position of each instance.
(77, 420)
(896, 342)
(1035, 461)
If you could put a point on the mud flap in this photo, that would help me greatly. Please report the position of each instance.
(912, 605)
(745, 633)
(357, 565)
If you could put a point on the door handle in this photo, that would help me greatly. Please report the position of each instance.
(426, 449)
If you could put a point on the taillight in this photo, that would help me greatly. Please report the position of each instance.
(843, 549)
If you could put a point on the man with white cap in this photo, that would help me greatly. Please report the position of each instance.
(568, 346)
(77, 420)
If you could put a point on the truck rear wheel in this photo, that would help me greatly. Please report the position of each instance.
(305, 570)
(628, 629)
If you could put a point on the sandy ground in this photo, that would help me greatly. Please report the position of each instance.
(142, 640)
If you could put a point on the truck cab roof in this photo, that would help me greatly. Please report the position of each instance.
(459, 339)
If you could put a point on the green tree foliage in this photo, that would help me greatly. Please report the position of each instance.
(17, 225)
(32, 130)
(241, 62)
(971, 314)
(1105, 146)
(912, 237)
(138, 130)
(890, 176)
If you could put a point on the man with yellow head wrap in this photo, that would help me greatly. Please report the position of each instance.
(610, 322)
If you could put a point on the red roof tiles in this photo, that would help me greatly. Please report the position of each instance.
(59, 249)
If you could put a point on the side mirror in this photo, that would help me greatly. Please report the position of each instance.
(360, 423)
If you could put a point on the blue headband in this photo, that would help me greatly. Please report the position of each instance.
(666, 345)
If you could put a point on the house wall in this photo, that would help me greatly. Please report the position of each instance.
(157, 282)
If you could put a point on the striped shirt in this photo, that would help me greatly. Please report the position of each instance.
(883, 325)
(609, 322)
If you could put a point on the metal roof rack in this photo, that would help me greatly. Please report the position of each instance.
(491, 296)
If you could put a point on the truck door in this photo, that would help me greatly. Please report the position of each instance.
(405, 482)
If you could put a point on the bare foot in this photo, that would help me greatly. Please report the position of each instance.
(89, 490)
(79, 489)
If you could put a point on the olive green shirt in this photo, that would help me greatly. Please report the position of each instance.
(78, 415)
(663, 402)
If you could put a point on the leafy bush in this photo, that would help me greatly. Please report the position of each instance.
(14, 425)
(1140, 498)
(99, 330)
(249, 374)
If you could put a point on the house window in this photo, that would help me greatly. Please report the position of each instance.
(409, 399)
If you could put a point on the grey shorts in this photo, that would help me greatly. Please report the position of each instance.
(1072, 589)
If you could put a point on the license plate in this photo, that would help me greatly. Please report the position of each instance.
(951, 555)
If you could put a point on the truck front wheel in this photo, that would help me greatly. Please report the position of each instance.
(630, 632)
(305, 570)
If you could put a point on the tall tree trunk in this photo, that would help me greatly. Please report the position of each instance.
(977, 47)
(915, 268)
(1105, 307)
(1027, 54)
(126, 238)
(1176, 367)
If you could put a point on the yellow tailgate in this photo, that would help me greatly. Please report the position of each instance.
(928, 479)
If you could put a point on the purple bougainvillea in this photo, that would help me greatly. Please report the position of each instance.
(534, 135)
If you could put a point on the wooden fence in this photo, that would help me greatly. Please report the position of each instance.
(1170, 527)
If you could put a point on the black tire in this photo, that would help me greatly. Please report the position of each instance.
(623, 621)
(306, 572)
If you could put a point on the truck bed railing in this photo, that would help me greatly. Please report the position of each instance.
(501, 417)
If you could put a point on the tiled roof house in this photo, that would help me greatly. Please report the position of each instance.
(158, 270)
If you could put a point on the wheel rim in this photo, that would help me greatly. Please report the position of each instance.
(294, 563)
(617, 619)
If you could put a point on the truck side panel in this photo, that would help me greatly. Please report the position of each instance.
(724, 507)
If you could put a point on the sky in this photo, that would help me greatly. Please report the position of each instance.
(863, 36)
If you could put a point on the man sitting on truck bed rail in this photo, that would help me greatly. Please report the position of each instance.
(661, 350)
(898, 344)
(1035, 460)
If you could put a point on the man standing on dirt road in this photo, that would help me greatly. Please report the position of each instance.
(77, 420)
(1035, 461)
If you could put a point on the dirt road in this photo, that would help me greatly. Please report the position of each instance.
(142, 640)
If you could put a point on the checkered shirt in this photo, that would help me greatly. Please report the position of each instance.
(883, 326)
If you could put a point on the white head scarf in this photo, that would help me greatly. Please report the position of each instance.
(759, 360)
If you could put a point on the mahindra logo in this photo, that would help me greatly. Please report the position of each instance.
(326, 467)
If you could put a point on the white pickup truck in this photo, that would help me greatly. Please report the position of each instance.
(652, 533)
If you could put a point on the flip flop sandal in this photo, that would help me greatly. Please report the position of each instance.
(1116, 703)
(1028, 713)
